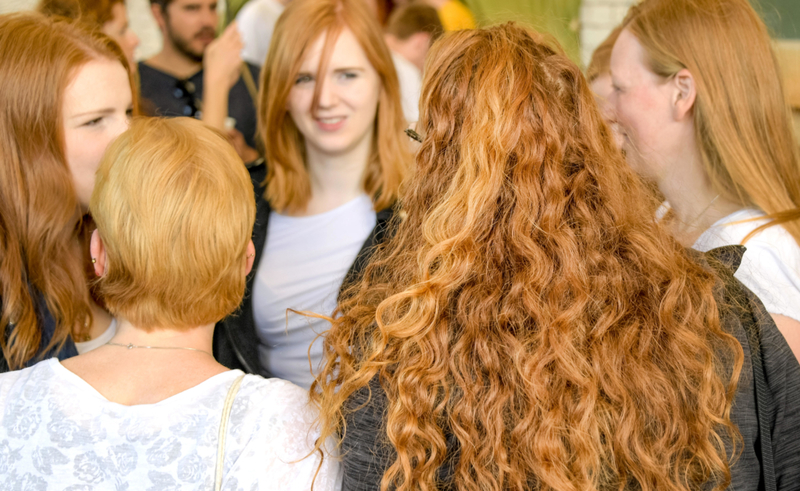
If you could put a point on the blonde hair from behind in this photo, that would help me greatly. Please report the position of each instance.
(39, 211)
(304, 21)
(174, 206)
(742, 121)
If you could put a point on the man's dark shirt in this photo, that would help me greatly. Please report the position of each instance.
(169, 96)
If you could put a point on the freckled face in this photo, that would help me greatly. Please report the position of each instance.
(348, 102)
(640, 100)
(96, 109)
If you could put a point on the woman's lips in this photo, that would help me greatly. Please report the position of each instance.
(330, 124)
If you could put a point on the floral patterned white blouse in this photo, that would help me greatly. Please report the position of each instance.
(59, 433)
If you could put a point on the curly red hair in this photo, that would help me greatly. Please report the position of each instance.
(528, 304)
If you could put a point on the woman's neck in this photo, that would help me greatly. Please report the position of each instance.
(336, 179)
(140, 375)
(695, 204)
(195, 338)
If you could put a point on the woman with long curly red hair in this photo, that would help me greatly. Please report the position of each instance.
(529, 325)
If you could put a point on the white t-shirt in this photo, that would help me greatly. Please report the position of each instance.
(57, 432)
(87, 346)
(256, 22)
(771, 265)
(410, 79)
(304, 262)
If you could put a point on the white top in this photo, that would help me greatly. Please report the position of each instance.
(304, 262)
(771, 265)
(256, 22)
(87, 346)
(58, 432)
(410, 86)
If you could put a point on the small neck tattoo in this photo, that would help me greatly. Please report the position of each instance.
(132, 346)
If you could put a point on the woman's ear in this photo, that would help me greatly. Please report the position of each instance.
(98, 251)
(684, 94)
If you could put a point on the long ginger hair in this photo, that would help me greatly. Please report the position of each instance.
(40, 258)
(743, 125)
(302, 23)
(528, 304)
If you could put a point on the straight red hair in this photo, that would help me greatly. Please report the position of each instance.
(39, 211)
(742, 122)
(302, 23)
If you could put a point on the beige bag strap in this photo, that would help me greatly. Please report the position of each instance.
(223, 431)
(250, 83)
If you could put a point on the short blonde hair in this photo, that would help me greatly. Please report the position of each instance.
(174, 206)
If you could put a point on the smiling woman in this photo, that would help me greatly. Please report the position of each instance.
(332, 122)
(699, 101)
(66, 95)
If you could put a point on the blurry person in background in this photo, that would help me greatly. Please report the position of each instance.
(332, 122)
(409, 33)
(701, 109)
(66, 93)
(110, 16)
(598, 74)
(199, 76)
(256, 22)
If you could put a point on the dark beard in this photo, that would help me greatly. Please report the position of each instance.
(182, 45)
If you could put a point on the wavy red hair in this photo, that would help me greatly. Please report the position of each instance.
(528, 304)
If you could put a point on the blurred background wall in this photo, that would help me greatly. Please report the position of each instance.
(579, 25)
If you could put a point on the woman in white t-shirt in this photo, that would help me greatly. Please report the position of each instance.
(152, 409)
(332, 123)
(698, 97)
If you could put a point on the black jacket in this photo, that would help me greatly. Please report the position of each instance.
(235, 338)
(48, 327)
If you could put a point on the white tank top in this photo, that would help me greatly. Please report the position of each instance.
(305, 260)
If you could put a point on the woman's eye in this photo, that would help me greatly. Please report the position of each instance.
(129, 113)
(348, 75)
(93, 122)
(303, 79)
